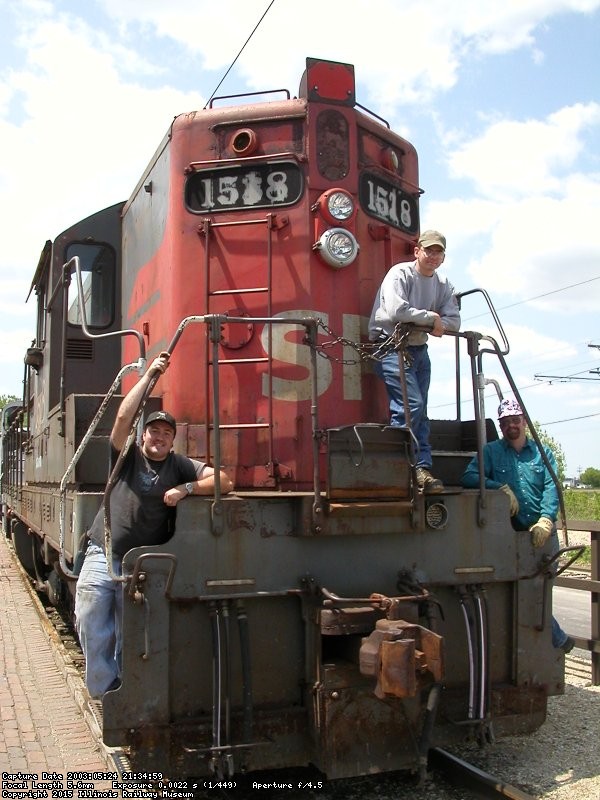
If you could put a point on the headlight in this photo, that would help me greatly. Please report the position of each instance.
(335, 205)
(337, 247)
(340, 205)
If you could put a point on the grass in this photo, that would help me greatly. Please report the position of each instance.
(585, 559)
(582, 504)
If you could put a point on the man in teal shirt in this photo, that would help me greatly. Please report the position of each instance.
(515, 465)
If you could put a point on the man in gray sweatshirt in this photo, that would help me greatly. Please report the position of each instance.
(415, 293)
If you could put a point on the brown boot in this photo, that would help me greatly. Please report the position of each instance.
(427, 483)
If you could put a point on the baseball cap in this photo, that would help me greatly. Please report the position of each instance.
(428, 238)
(509, 408)
(161, 416)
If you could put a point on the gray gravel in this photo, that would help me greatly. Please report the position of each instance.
(560, 761)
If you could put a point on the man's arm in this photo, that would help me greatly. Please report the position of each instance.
(131, 401)
(470, 477)
(449, 311)
(394, 304)
(203, 485)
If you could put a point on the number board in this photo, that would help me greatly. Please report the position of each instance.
(385, 201)
(265, 185)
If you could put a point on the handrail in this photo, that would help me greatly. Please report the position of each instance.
(214, 321)
(478, 382)
(490, 305)
(248, 94)
(77, 455)
(533, 433)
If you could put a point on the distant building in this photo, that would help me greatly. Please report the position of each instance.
(575, 483)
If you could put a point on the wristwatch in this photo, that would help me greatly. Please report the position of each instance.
(189, 487)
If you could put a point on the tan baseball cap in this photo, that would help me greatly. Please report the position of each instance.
(429, 238)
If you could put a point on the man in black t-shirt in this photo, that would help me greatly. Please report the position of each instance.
(151, 482)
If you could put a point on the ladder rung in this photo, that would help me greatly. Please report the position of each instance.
(263, 360)
(238, 291)
(237, 425)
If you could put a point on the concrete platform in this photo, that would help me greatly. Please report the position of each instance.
(43, 721)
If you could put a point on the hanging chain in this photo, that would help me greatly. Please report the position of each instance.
(397, 342)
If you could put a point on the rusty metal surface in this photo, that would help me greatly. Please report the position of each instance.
(311, 663)
(403, 658)
(368, 461)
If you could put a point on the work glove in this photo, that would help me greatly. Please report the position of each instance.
(514, 503)
(541, 531)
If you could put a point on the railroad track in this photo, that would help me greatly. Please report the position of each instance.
(449, 777)
(466, 776)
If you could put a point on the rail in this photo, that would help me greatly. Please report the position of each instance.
(591, 585)
(466, 776)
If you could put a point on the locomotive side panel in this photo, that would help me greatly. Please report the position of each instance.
(68, 360)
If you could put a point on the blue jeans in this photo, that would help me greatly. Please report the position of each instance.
(98, 615)
(559, 637)
(418, 377)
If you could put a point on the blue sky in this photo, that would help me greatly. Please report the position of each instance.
(501, 100)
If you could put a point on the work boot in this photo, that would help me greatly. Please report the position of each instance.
(568, 644)
(427, 482)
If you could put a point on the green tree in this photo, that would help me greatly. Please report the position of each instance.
(5, 399)
(591, 476)
(555, 447)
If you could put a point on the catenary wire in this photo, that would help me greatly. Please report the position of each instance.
(216, 89)
(537, 297)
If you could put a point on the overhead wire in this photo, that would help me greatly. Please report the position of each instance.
(540, 381)
(570, 419)
(536, 297)
(216, 89)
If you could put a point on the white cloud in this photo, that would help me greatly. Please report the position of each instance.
(539, 245)
(517, 159)
(75, 111)
(534, 347)
(404, 51)
(532, 230)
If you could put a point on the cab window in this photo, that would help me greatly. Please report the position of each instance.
(97, 266)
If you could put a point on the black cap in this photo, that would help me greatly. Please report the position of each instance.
(161, 416)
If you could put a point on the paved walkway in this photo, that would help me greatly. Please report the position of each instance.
(42, 722)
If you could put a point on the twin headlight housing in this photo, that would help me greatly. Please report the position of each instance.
(337, 246)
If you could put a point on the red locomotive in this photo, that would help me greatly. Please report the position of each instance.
(251, 249)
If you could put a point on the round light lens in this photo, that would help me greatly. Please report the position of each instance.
(337, 247)
(340, 205)
(437, 516)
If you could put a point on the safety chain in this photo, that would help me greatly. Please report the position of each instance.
(397, 341)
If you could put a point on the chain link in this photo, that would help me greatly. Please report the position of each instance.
(397, 342)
